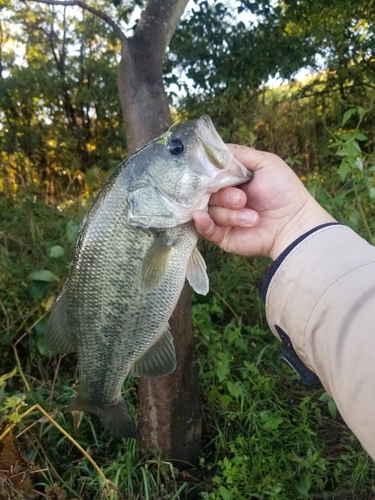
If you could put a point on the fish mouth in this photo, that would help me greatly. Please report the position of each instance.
(212, 143)
(218, 162)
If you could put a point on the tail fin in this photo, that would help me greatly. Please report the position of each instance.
(115, 418)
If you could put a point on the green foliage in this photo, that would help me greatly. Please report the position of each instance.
(231, 49)
(265, 435)
(348, 190)
(262, 428)
(60, 112)
(209, 46)
(36, 246)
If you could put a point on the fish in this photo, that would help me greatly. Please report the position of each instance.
(135, 248)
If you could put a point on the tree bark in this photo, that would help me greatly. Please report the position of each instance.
(143, 98)
(169, 407)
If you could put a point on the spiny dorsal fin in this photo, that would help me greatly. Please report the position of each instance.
(57, 336)
(160, 359)
(155, 265)
(196, 272)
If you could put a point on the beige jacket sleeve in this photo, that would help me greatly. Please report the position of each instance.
(321, 293)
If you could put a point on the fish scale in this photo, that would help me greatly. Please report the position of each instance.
(140, 313)
(136, 247)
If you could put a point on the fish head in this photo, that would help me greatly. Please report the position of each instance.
(174, 175)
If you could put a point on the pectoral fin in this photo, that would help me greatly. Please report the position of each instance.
(155, 265)
(57, 336)
(160, 359)
(196, 273)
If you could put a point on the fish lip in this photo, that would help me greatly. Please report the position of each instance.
(248, 177)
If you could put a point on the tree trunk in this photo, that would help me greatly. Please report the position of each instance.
(169, 407)
(142, 94)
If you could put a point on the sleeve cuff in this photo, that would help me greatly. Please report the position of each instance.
(277, 263)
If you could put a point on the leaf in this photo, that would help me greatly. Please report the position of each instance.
(332, 408)
(225, 400)
(13, 401)
(360, 111)
(358, 163)
(222, 368)
(360, 136)
(344, 170)
(56, 251)
(234, 389)
(43, 275)
(304, 485)
(325, 397)
(347, 115)
(2, 392)
(4, 377)
(42, 348)
(72, 229)
(225, 493)
(346, 137)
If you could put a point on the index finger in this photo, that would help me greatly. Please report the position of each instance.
(251, 158)
(229, 197)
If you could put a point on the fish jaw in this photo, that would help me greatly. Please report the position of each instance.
(215, 159)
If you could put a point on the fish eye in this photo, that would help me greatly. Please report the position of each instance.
(175, 147)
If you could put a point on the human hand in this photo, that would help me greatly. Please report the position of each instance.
(263, 216)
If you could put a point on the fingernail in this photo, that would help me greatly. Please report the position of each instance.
(234, 198)
(247, 218)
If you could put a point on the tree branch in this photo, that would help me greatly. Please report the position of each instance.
(96, 12)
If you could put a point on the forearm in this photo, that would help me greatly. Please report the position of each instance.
(321, 293)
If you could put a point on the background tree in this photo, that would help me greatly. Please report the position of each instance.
(60, 111)
(223, 56)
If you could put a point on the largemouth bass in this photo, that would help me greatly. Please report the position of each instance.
(136, 246)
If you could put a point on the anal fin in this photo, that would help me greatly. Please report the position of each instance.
(160, 359)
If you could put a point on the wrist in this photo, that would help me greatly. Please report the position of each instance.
(311, 215)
